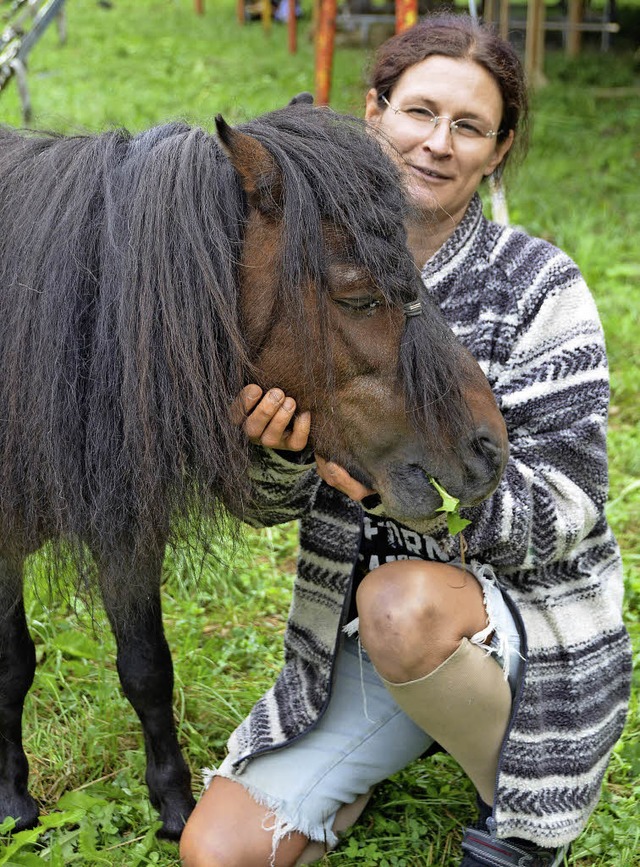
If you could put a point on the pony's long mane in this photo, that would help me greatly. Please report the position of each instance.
(120, 343)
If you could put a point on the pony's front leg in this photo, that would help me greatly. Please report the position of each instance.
(17, 667)
(132, 602)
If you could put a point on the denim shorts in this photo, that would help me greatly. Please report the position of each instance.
(362, 738)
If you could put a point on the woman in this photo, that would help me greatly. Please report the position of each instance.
(517, 664)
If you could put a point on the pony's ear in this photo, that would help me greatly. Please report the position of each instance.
(304, 98)
(259, 172)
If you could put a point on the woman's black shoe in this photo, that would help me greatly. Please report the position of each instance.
(481, 849)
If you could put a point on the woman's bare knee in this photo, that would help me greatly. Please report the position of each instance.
(414, 613)
(228, 829)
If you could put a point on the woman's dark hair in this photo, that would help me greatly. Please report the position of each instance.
(459, 36)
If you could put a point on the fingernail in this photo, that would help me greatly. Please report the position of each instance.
(289, 404)
(276, 395)
(253, 392)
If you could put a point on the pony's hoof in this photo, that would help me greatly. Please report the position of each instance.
(21, 807)
(174, 818)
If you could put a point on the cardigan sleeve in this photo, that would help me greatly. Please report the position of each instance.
(282, 487)
(553, 390)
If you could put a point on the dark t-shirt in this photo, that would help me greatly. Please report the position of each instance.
(384, 541)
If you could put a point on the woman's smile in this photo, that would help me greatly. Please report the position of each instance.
(428, 174)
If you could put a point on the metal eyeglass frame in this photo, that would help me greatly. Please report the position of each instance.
(436, 118)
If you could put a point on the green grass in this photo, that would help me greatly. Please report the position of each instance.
(140, 63)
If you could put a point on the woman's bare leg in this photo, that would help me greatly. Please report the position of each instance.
(227, 829)
(414, 614)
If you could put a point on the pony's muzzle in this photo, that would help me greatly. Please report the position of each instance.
(486, 458)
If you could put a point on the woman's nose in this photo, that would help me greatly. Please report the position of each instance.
(439, 139)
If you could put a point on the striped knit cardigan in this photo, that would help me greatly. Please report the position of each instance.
(524, 311)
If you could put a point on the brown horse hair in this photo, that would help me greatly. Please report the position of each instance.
(120, 343)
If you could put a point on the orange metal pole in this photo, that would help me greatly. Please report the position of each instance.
(406, 14)
(292, 26)
(325, 37)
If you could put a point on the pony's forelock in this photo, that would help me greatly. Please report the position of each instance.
(328, 178)
(335, 172)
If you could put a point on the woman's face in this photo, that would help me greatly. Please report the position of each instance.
(443, 169)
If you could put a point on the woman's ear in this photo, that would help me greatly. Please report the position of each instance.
(372, 110)
(502, 149)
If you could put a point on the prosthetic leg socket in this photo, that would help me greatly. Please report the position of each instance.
(465, 705)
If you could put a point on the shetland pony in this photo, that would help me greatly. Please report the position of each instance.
(143, 281)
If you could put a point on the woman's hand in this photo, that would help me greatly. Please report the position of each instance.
(339, 478)
(270, 420)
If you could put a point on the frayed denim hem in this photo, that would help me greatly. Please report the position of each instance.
(499, 644)
(504, 644)
(276, 822)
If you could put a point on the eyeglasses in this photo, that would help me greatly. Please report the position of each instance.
(464, 126)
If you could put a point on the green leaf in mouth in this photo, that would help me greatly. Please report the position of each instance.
(451, 505)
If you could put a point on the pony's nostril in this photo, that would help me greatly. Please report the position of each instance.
(489, 456)
(490, 449)
(486, 458)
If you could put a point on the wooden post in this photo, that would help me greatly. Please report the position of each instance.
(489, 12)
(240, 13)
(325, 37)
(266, 16)
(574, 36)
(199, 7)
(406, 14)
(292, 26)
(504, 19)
(534, 43)
(497, 10)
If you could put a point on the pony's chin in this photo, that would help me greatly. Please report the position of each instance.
(409, 498)
(421, 516)
(403, 493)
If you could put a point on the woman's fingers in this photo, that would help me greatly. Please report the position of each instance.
(298, 436)
(339, 478)
(245, 402)
(270, 419)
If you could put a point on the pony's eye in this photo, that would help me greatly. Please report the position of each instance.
(367, 304)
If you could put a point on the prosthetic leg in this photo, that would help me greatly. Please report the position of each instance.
(465, 705)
